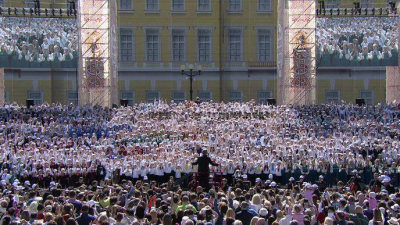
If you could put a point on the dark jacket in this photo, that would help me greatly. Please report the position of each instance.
(203, 163)
(85, 219)
(244, 216)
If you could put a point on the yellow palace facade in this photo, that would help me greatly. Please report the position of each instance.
(234, 41)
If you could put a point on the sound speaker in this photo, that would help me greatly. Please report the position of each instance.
(29, 103)
(271, 101)
(124, 102)
(360, 101)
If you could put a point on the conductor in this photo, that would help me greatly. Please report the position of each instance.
(204, 170)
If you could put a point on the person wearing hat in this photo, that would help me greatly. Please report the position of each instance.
(393, 221)
(244, 215)
(373, 203)
(394, 210)
(203, 163)
(388, 186)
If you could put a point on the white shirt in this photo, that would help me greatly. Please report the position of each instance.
(286, 220)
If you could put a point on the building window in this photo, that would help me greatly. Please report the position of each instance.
(264, 45)
(235, 96)
(126, 5)
(6, 97)
(204, 42)
(126, 45)
(235, 5)
(73, 97)
(178, 45)
(263, 96)
(367, 3)
(152, 5)
(332, 4)
(128, 95)
(36, 96)
(152, 96)
(205, 96)
(235, 45)
(178, 96)
(178, 5)
(153, 45)
(30, 4)
(264, 5)
(332, 96)
(204, 5)
(368, 97)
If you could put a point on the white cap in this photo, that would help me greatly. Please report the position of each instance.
(184, 219)
(91, 203)
(273, 184)
(270, 176)
(393, 221)
(236, 204)
(258, 180)
(52, 183)
(263, 212)
(395, 207)
(372, 194)
(291, 179)
(386, 180)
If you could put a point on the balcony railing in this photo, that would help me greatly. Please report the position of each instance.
(262, 64)
(8, 61)
(205, 65)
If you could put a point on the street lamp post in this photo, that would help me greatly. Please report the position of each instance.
(191, 74)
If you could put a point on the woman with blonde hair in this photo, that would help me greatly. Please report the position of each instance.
(261, 221)
(153, 214)
(230, 214)
(254, 220)
(279, 215)
(256, 202)
(328, 221)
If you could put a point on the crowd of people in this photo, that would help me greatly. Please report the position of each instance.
(357, 41)
(38, 42)
(278, 165)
